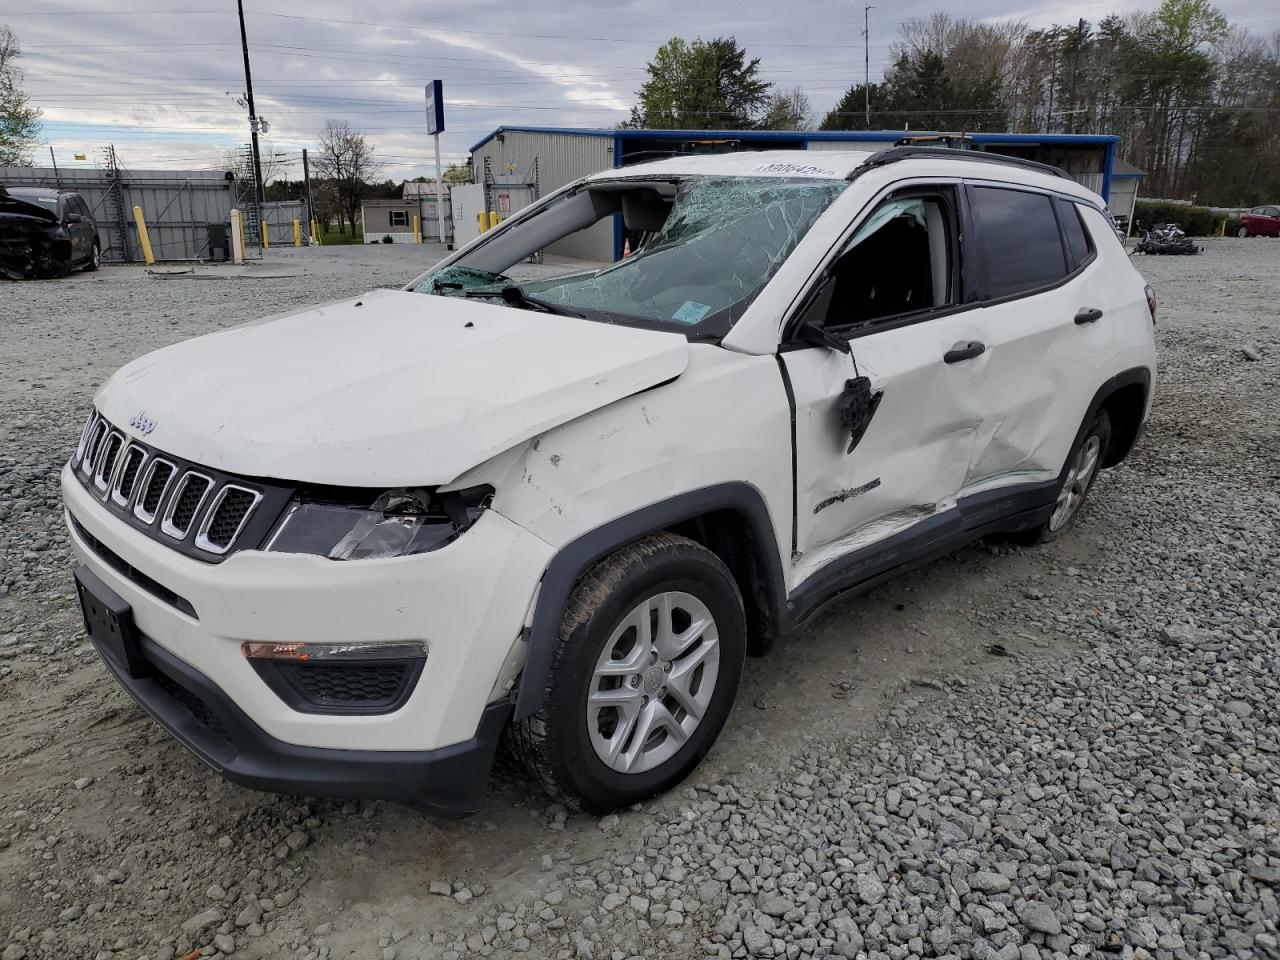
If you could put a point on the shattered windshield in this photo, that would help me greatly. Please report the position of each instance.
(698, 251)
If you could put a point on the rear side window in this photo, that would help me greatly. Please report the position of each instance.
(1079, 248)
(1019, 235)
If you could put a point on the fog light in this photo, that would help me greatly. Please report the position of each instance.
(339, 678)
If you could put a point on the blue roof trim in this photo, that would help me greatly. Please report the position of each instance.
(805, 136)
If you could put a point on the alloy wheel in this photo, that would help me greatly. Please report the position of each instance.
(1080, 476)
(653, 682)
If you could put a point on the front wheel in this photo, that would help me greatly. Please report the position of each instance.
(645, 670)
(95, 259)
(1242, 232)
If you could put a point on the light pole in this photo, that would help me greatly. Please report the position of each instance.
(253, 117)
(866, 62)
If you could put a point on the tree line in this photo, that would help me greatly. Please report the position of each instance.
(1194, 99)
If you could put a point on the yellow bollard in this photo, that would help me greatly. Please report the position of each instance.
(143, 237)
(315, 232)
(417, 229)
(242, 246)
(493, 219)
(297, 233)
(263, 230)
(483, 217)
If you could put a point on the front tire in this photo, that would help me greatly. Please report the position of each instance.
(644, 674)
(95, 259)
(1242, 232)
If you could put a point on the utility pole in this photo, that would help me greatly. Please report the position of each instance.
(253, 117)
(866, 61)
(57, 177)
(306, 178)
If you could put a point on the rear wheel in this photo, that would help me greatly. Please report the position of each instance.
(1082, 470)
(645, 671)
(1242, 232)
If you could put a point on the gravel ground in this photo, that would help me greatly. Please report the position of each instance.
(1063, 752)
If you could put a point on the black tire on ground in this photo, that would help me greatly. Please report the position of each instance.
(554, 744)
(92, 263)
(1242, 232)
(1099, 428)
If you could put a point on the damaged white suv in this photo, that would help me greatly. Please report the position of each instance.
(345, 551)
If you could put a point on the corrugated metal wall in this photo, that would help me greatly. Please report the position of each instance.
(561, 158)
(178, 206)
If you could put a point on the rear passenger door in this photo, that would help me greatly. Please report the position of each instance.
(1045, 326)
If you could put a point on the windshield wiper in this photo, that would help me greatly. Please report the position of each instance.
(516, 297)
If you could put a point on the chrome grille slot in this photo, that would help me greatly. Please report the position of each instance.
(226, 517)
(130, 465)
(107, 457)
(155, 484)
(96, 435)
(188, 496)
(84, 436)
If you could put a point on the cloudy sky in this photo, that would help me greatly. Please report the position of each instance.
(160, 80)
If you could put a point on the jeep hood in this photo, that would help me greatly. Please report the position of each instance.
(387, 389)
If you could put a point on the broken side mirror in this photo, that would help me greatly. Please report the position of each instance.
(813, 316)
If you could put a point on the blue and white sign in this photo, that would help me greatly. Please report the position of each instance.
(435, 106)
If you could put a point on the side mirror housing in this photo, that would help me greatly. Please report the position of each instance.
(813, 316)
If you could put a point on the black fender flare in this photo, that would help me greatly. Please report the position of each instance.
(577, 556)
(1125, 378)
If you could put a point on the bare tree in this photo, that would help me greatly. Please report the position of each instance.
(788, 110)
(19, 121)
(346, 160)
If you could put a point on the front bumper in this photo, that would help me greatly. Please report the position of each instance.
(448, 781)
(467, 602)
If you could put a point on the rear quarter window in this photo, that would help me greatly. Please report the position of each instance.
(1079, 246)
(1018, 233)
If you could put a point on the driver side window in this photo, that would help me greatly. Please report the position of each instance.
(899, 263)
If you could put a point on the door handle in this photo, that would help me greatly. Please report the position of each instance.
(1088, 315)
(965, 350)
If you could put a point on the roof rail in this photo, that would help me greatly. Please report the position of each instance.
(894, 154)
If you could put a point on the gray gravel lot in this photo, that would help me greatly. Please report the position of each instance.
(887, 787)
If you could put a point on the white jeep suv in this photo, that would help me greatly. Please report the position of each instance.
(347, 550)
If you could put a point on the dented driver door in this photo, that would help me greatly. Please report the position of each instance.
(912, 459)
(885, 432)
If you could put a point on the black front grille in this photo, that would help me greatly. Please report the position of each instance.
(229, 514)
(195, 706)
(189, 497)
(155, 488)
(126, 569)
(198, 511)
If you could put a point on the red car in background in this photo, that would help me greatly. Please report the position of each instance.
(1260, 222)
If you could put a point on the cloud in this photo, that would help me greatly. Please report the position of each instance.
(161, 80)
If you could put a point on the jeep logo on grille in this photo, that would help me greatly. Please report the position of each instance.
(142, 423)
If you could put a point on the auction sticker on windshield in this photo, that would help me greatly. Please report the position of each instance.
(779, 169)
(691, 312)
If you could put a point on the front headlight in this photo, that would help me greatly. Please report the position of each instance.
(397, 523)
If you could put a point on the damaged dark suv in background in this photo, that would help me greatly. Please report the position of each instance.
(45, 233)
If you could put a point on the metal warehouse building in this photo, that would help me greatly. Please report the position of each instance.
(516, 165)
